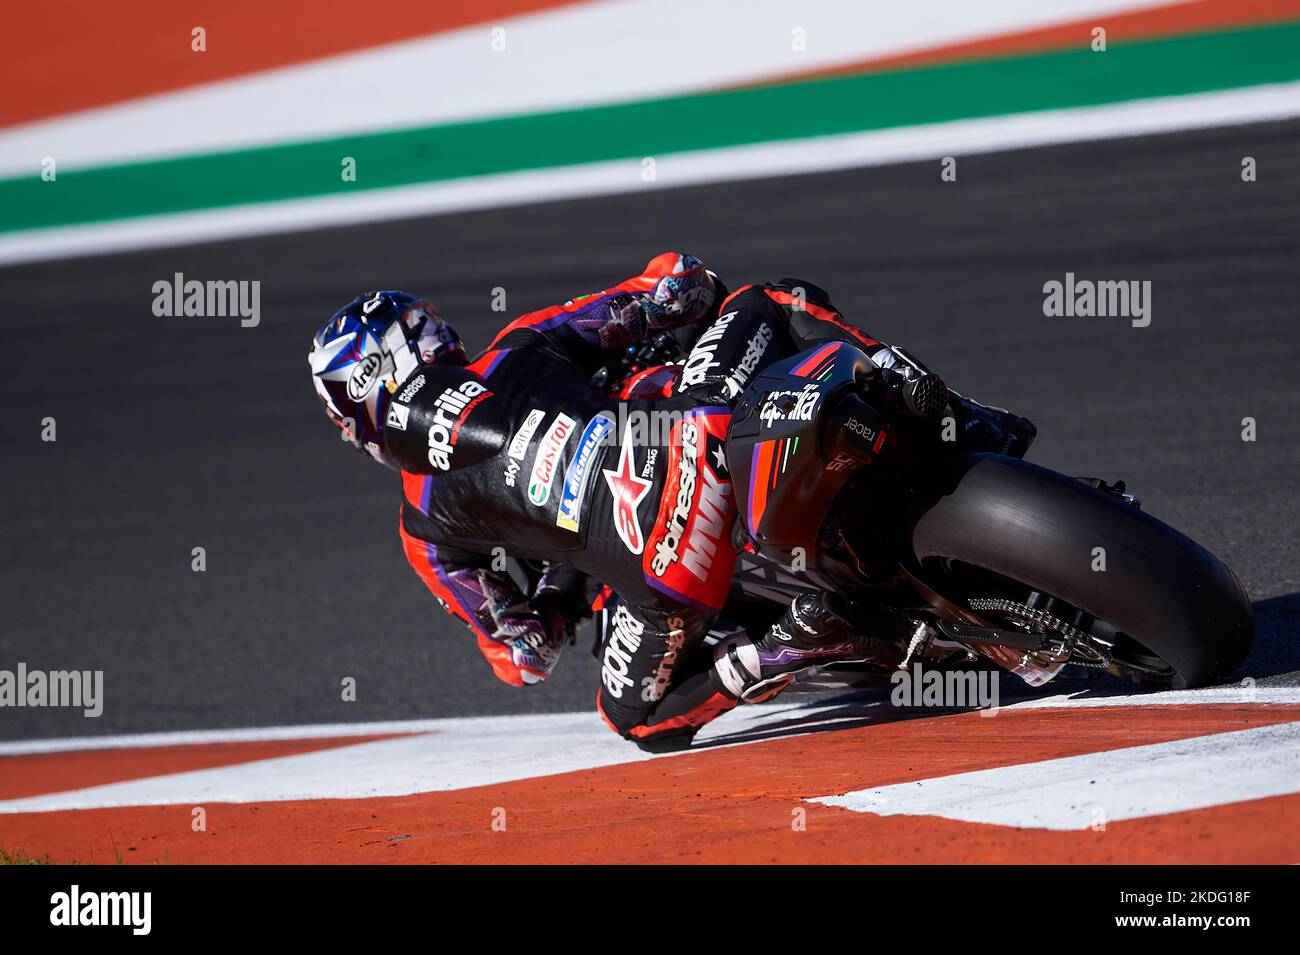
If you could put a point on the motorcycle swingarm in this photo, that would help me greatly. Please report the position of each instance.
(967, 633)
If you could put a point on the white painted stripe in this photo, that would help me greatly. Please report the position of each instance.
(469, 753)
(1214, 695)
(819, 154)
(748, 718)
(581, 55)
(255, 734)
(446, 754)
(457, 753)
(1080, 791)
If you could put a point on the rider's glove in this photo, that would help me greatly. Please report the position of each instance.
(563, 590)
(533, 637)
(624, 322)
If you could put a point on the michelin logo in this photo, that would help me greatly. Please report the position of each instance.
(574, 488)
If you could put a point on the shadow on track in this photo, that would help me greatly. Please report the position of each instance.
(1274, 661)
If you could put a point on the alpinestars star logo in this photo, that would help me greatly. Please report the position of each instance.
(627, 491)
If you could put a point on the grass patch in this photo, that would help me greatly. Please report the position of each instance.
(23, 857)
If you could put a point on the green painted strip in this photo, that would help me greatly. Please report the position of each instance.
(1162, 67)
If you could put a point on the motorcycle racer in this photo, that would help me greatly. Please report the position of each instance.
(516, 453)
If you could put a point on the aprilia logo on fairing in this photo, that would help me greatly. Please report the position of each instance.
(627, 491)
(790, 405)
(700, 361)
(548, 458)
(450, 411)
(624, 641)
(739, 375)
(696, 549)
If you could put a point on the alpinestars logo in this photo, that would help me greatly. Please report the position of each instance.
(654, 687)
(627, 491)
(696, 550)
(547, 458)
(700, 361)
(623, 643)
(450, 411)
(739, 376)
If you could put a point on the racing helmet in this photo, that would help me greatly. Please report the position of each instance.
(366, 351)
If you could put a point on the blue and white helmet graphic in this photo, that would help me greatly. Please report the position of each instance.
(364, 353)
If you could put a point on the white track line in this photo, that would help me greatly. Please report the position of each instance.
(469, 754)
(794, 157)
(442, 755)
(458, 753)
(744, 719)
(1220, 695)
(1079, 792)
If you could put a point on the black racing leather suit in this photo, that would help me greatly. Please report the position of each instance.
(518, 455)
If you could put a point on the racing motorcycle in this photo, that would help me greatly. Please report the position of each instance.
(847, 479)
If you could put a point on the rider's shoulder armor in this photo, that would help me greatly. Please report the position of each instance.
(442, 418)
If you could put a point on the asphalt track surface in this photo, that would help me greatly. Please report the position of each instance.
(177, 433)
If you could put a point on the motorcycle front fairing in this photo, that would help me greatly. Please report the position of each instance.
(799, 431)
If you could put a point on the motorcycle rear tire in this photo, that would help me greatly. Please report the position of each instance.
(1159, 587)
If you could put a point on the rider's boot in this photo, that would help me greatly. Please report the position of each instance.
(812, 632)
(985, 428)
(982, 427)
